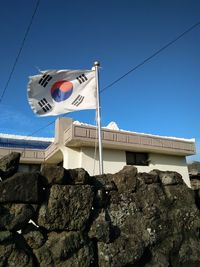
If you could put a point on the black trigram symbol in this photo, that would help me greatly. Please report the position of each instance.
(45, 105)
(44, 80)
(82, 78)
(78, 100)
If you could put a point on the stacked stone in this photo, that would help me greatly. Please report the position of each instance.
(64, 218)
(194, 173)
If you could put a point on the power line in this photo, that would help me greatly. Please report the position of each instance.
(152, 56)
(51, 122)
(19, 52)
(41, 128)
(137, 66)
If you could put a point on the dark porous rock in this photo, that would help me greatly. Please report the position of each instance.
(33, 236)
(124, 251)
(100, 228)
(5, 236)
(197, 198)
(121, 206)
(139, 221)
(15, 216)
(194, 168)
(113, 220)
(5, 251)
(14, 252)
(180, 193)
(62, 245)
(77, 176)
(101, 198)
(176, 251)
(84, 257)
(6, 246)
(126, 179)
(183, 214)
(21, 188)
(64, 249)
(170, 178)
(53, 174)
(104, 181)
(151, 195)
(195, 184)
(44, 257)
(68, 207)
(189, 252)
(139, 215)
(165, 253)
(153, 206)
(20, 258)
(149, 178)
(9, 165)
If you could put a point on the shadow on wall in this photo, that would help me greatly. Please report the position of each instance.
(55, 158)
(164, 160)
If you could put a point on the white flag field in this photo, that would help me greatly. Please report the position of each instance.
(57, 92)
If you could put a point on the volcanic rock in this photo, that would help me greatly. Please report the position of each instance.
(9, 165)
(100, 228)
(104, 181)
(170, 178)
(15, 216)
(125, 179)
(21, 188)
(111, 220)
(53, 174)
(65, 249)
(101, 198)
(33, 236)
(14, 252)
(77, 176)
(68, 208)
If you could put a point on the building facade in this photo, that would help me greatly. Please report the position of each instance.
(75, 145)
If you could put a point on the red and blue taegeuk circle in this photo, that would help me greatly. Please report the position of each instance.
(61, 90)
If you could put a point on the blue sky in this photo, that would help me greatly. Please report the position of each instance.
(162, 97)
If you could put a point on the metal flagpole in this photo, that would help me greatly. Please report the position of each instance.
(96, 65)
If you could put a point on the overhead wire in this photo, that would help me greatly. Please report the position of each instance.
(139, 65)
(47, 125)
(20, 50)
(36, 131)
(152, 56)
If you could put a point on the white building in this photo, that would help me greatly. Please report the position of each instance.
(74, 145)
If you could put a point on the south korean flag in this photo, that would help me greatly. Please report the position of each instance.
(57, 92)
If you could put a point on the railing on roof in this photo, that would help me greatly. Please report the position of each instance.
(15, 143)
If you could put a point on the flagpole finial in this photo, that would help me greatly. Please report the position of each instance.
(97, 63)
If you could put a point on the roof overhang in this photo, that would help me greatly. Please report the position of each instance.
(85, 135)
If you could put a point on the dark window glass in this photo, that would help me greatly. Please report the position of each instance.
(136, 158)
(9, 142)
(29, 167)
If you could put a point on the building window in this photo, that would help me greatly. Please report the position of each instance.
(28, 167)
(136, 158)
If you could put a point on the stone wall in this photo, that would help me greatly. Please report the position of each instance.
(194, 173)
(62, 218)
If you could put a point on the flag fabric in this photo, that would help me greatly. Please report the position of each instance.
(57, 92)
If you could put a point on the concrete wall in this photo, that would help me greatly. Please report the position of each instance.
(72, 158)
(115, 160)
(167, 163)
(35, 156)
